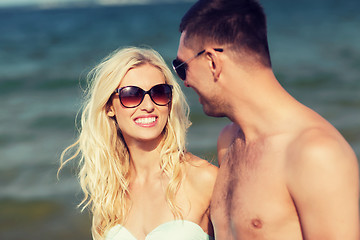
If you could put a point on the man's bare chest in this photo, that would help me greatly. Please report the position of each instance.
(250, 194)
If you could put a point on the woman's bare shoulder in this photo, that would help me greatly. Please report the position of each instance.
(200, 173)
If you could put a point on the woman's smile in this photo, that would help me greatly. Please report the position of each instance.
(146, 121)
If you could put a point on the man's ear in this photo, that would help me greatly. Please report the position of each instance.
(215, 62)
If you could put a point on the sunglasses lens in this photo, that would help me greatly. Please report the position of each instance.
(131, 96)
(161, 94)
(180, 68)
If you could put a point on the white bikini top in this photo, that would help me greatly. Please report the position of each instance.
(172, 230)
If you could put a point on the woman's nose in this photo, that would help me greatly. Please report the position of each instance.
(147, 104)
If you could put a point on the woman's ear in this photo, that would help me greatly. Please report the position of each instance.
(110, 111)
(215, 62)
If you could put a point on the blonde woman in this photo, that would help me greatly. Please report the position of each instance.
(138, 179)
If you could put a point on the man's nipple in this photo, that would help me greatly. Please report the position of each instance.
(256, 223)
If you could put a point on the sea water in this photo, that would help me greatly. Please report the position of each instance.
(45, 55)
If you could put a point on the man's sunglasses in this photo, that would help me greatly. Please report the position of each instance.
(180, 67)
(132, 96)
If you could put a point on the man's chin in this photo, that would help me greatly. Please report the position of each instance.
(211, 111)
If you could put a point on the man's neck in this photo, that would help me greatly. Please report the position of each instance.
(263, 107)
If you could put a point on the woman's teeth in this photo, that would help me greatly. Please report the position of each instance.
(145, 120)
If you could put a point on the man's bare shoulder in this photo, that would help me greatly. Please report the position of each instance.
(225, 139)
(320, 155)
(319, 144)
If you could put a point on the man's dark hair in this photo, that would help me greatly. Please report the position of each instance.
(241, 24)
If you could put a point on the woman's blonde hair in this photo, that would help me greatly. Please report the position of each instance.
(104, 157)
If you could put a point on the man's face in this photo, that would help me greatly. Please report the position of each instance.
(195, 69)
(199, 76)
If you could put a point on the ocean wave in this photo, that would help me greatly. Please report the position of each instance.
(133, 2)
(53, 4)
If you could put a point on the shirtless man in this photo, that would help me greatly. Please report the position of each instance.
(285, 172)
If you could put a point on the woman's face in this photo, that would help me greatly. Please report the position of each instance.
(146, 121)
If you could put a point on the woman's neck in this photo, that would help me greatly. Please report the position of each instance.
(145, 160)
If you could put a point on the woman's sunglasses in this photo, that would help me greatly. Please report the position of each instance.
(132, 96)
(180, 67)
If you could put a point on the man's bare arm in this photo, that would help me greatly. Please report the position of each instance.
(323, 180)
